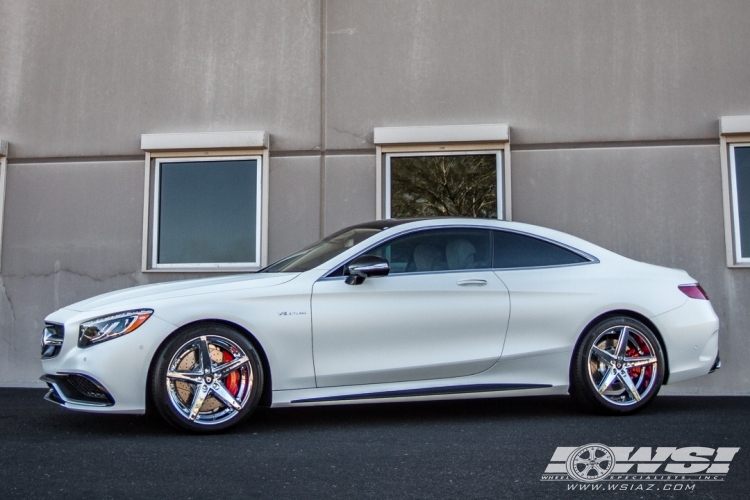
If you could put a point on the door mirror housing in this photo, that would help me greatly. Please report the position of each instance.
(364, 266)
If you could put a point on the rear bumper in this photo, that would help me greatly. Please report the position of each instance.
(691, 340)
(717, 364)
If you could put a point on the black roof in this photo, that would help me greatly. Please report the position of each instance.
(382, 224)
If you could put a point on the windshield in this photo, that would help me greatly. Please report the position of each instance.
(326, 249)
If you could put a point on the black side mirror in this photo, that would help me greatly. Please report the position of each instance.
(364, 266)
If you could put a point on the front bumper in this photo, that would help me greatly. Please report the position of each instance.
(76, 389)
(116, 369)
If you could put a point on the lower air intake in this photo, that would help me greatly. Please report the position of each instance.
(87, 387)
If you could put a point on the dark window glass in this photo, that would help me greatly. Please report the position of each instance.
(437, 250)
(742, 175)
(454, 186)
(517, 250)
(207, 212)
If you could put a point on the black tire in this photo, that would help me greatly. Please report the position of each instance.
(600, 368)
(193, 397)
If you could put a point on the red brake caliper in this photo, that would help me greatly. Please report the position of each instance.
(232, 380)
(633, 353)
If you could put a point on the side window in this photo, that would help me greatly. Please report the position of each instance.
(740, 176)
(437, 250)
(517, 250)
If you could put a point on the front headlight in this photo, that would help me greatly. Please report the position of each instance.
(106, 328)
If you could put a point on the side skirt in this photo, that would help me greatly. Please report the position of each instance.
(428, 391)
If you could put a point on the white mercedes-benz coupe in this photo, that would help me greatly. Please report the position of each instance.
(390, 310)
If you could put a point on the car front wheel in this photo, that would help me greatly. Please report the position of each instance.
(618, 367)
(207, 378)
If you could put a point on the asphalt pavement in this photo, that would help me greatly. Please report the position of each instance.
(489, 449)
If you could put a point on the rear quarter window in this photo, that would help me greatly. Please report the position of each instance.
(511, 250)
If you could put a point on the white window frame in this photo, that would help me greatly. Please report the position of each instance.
(3, 170)
(157, 207)
(735, 132)
(455, 140)
(738, 259)
(207, 146)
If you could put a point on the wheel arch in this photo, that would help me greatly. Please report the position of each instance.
(267, 390)
(631, 314)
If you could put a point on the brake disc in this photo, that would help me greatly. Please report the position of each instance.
(185, 390)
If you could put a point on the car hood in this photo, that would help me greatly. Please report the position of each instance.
(148, 293)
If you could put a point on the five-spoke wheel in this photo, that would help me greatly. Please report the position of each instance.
(618, 367)
(207, 378)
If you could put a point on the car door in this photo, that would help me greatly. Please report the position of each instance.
(441, 312)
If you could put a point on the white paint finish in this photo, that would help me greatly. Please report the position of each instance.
(441, 133)
(573, 296)
(684, 329)
(125, 368)
(398, 335)
(734, 125)
(407, 327)
(250, 301)
(204, 140)
(3, 148)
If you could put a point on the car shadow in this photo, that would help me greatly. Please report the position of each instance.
(47, 417)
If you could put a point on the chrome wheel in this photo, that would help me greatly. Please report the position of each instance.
(618, 367)
(209, 379)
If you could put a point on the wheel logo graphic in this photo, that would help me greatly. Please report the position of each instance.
(591, 462)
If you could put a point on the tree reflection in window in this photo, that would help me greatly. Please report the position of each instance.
(458, 186)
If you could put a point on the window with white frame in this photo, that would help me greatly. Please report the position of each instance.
(205, 211)
(3, 168)
(461, 171)
(739, 155)
(735, 159)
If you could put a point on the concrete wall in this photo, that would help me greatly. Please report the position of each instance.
(613, 108)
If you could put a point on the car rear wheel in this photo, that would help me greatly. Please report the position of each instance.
(618, 367)
(207, 378)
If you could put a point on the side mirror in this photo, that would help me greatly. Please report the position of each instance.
(364, 266)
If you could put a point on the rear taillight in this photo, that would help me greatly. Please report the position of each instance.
(694, 291)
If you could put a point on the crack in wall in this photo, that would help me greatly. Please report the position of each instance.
(74, 273)
(10, 306)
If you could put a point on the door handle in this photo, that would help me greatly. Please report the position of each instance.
(472, 281)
